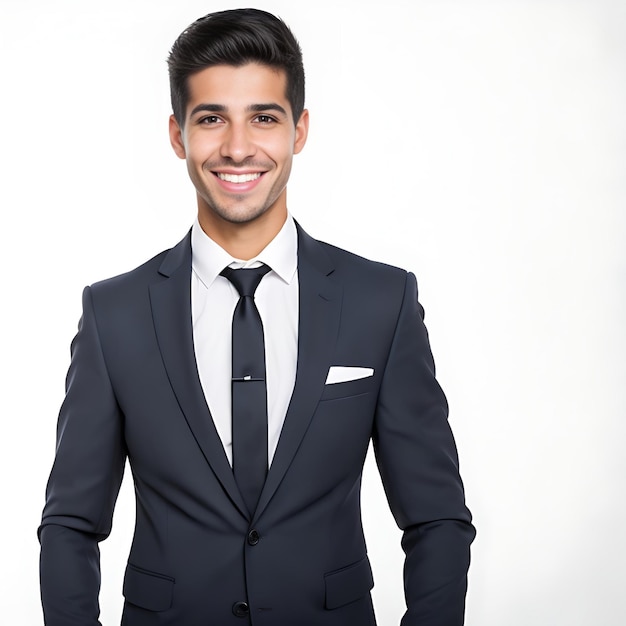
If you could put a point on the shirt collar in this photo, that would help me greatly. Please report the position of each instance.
(208, 258)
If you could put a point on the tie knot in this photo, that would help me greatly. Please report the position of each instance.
(246, 280)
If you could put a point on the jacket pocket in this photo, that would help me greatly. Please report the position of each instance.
(348, 389)
(148, 590)
(348, 584)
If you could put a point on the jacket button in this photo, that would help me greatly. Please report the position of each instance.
(241, 609)
(253, 537)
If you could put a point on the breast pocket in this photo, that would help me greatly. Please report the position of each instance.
(348, 388)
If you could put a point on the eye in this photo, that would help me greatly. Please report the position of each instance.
(264, 119)
(209, 119)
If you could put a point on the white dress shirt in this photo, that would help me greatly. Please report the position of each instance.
(213, 301)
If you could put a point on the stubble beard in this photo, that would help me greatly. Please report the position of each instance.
(237, 212)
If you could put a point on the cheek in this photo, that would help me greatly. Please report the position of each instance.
(280, 149)
(199, 149)
(282, 156)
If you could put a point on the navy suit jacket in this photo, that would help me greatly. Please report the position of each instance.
(198, 558)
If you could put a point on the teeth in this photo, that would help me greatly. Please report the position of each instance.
(238, 178)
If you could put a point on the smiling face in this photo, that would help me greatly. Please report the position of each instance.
(239, 139)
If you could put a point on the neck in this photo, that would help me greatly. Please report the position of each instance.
(243, 240)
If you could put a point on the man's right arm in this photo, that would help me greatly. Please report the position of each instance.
(83, 484)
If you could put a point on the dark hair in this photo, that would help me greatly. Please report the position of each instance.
(235, 38)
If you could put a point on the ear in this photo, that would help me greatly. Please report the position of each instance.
(302, 132)
(176, 138)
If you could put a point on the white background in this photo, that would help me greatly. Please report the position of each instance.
(480, 144)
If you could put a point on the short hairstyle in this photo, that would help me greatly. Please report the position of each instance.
(235, 37)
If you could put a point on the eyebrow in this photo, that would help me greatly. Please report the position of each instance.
(270, 106)
(252, 108)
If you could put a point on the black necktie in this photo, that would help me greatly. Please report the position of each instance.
(249, 395)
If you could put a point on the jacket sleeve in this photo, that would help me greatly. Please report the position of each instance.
(417, 460)
(83, 485)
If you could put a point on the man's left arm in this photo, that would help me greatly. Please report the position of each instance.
(418, 463)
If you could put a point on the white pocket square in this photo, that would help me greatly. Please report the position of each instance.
(343, 374)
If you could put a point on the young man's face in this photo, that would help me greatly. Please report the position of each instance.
(238, 140)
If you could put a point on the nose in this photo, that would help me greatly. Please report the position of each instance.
(237, 143)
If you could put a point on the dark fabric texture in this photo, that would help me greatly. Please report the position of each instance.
(199, 556)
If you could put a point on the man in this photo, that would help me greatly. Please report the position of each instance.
(246, 410)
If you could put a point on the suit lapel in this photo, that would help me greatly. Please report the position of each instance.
(319, 313)
(171, 310)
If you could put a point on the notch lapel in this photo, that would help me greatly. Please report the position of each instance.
(170, 299)
(319, 313)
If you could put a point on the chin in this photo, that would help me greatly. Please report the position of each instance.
(241, 217)
(238, 215)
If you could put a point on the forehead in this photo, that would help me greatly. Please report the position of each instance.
(252, 83)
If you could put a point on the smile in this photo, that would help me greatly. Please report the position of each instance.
(238, 178)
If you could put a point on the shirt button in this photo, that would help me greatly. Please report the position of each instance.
(253, 537)
(241, 609)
